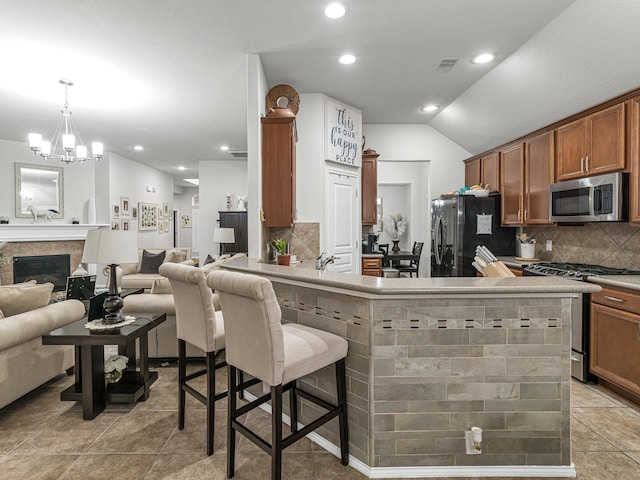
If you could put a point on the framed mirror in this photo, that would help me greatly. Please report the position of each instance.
(38, 188)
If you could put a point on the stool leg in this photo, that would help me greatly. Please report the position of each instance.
(240, 382)
(182, 373)
(211, 400)
(231, 415)
(276, 432)
(341, 383)
(293, 409)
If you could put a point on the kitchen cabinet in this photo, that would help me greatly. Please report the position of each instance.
(634, 161)
(592, 145)
(527, 170)
(614, 342)
(369, 176)
(238, 221)
(484, 170)
(372, 266)
(278, 169)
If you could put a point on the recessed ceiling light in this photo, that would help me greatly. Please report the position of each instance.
(195, 181)
(347, 59)
(138, 148)
(224, 147)
(181, 167)
(430, 108)
(484, 58)
(334, 10)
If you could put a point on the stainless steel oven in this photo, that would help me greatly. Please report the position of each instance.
(580, 319)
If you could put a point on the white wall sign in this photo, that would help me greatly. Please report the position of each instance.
(343, 131)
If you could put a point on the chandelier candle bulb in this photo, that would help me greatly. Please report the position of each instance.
(35, 141)
(81, 152)
(68, 142)
(97, 149)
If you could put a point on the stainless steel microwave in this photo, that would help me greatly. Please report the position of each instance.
(603, 198)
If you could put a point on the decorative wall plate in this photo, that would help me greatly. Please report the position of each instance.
(283, 96)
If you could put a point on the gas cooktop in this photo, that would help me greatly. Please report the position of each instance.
(576, 271)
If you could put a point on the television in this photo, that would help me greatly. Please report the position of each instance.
(81, 287)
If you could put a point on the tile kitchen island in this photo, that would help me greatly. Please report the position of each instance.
(429, 358)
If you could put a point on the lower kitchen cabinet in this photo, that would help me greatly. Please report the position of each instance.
(372, 267)
(615, 339)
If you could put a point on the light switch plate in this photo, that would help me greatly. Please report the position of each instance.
(548, 246)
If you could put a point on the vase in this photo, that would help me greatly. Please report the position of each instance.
(283, 259)
(395, 248)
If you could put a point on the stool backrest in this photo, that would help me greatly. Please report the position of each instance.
(195, 313)
(252, 324)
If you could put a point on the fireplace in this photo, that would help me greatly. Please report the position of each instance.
(43, 268)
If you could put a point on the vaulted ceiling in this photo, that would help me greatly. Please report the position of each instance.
(171, 75)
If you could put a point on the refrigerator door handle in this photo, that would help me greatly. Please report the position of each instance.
(439, 240)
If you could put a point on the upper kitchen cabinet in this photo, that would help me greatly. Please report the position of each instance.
(592, 145)
(512, 186)
(278, 168)
(539, 164)
(527, 170)
(484, 170)
(369, 186)
(634, 166)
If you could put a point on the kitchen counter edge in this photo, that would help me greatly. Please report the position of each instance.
(413, 286)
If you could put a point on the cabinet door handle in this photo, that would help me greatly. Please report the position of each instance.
(518, 215)
(582, 165)
(525, 215)
(586, 163)
(614, 299)
(262, 217)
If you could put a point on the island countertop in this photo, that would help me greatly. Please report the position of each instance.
(413, 286)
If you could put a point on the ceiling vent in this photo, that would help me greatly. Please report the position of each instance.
(446, 64)
(238, 154)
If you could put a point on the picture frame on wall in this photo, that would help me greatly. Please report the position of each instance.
(167, 210)
(185, 221)
(161, 227)
(134, 213)
(148, 216)
(125, 203)
(115, 211)
(125, 224)
(166, 225)
(160, 213)
(115, 224)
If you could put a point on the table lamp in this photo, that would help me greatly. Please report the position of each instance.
(223, 235)
(111, 247)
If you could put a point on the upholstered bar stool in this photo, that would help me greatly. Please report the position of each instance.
(198, 323)
(278, 354)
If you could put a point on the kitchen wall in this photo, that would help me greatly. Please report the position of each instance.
(607, 243)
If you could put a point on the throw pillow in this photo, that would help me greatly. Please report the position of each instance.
(161, 285)
(28, 283)
(151, 262)
(208, 260)
(1, 315)
(16, 300)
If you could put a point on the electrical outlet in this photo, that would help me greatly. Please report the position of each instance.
(471, 450)
(548, 246)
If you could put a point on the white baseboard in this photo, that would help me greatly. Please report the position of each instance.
(433, 472)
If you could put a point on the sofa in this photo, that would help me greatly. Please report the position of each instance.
(163, 342)
(26, 315)
(134, 275)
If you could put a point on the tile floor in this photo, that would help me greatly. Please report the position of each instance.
(44, 438)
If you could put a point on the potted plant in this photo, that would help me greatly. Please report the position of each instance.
(283, 258)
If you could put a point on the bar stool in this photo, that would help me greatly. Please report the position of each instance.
(260, 345)
(198, 323)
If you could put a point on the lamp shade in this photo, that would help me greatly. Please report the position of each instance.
(110, 247)
(224, 235)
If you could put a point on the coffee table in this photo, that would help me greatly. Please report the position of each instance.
(90, 387)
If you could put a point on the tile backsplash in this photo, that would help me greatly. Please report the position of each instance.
(606, 243)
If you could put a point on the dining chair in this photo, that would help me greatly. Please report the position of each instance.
(413, 265)
(384, 248)
(198, 323)
(277, 354)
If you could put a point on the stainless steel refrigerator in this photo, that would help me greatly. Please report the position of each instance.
(458, 225)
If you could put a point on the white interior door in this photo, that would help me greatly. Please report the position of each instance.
(343, 216)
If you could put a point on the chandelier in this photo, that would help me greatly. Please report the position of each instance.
(64, 139)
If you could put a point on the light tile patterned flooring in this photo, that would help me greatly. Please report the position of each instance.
(44, 438)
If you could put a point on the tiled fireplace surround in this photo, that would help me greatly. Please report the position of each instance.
(24, 249)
